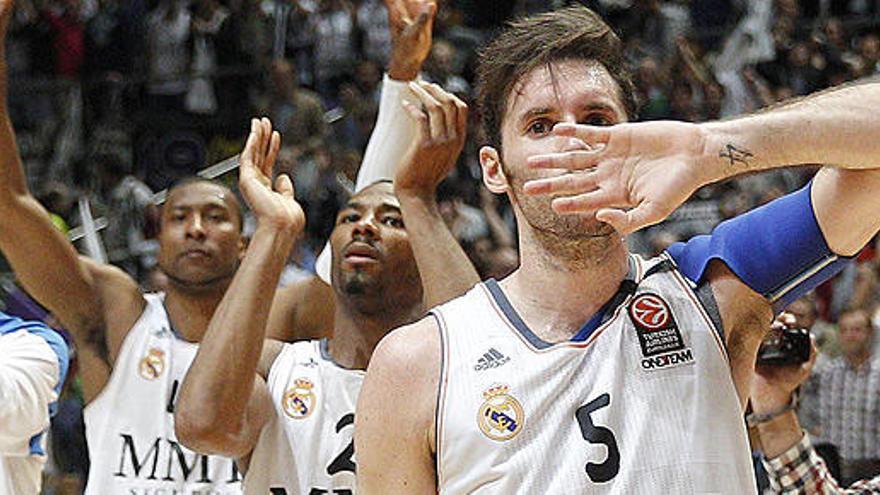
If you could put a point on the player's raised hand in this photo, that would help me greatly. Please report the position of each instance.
(441, 120)
(635, 175)
(273, 206)
(411, 23)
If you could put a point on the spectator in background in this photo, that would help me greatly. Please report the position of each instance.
(65, 29)
(33, 367)
(372, 19)
(842, 399)
(440, 69)
(128, 201)
(207, 23)
(334, 25)
(296, 112)
(168, 55)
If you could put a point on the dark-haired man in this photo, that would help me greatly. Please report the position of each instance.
(288, 409)
(133, 348)
(589, 369)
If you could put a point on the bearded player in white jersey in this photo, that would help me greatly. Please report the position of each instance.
(287, 410)
(590, 370)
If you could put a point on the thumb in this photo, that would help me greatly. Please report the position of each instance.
(627, 222)
(284, 186)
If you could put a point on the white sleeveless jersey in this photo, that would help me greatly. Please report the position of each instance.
(645, 404)
(307, 447)
(130, 425)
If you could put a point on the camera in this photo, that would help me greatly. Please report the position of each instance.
(785, 347)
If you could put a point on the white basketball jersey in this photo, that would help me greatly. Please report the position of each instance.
(307, 447)
(645, 404)
(130, 425)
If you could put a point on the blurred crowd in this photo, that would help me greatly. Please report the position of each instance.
(112, 100)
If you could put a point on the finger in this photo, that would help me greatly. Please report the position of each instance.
(569, 160)
(274, 148)
(583, 203)
(250, 146)
(284, 186)
(626, 222)
(421, 119)
(462, 115)
(568, 184)
(267, 137)
(436, 117)
(397, 11)
(590, 134)
(447, 104)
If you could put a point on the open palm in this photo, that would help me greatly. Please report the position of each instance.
(273, 205)
(635, 175)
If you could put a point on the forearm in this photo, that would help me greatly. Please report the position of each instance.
(444, 268)
(12, 179)
(837, 127)
(216, 397)
(391, 136)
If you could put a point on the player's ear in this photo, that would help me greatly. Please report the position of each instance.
(493, 173)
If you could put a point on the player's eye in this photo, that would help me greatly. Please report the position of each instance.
(598, 119)
(349, 217)
(395, 222)
(540, 127)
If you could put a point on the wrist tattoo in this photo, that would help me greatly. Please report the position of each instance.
(735, 155)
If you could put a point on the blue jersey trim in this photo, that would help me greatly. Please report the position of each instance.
(777, 249)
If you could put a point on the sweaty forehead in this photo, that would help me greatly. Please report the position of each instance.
(564, 85)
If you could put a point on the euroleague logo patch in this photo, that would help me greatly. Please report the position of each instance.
(650, 311)
(501, 416)
(299, 401)
(659, 336)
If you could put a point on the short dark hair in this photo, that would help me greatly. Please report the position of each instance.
(575, 33)
(181, 182)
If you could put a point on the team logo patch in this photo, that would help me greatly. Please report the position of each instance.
(501, 416)
(299, 400)
(153, 364)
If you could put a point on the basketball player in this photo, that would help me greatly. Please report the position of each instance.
(306, 307)
(33, 366)
(590, 370)
(291, 412)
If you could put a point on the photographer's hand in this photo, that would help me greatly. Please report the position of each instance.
(771, 391)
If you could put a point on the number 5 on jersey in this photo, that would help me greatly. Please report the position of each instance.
(607, 470)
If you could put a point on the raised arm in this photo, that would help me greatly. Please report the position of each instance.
(394, 427)
(440, 120)
(410, 23)
(48, 266)
(222, 408)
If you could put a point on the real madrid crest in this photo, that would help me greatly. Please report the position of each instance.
(153, 364)
(299, 400)
(501, 416)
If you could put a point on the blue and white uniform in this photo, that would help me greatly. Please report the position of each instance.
(642, 399)
(33, 366)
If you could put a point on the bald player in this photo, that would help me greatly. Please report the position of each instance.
(591, 370)
(288, 409)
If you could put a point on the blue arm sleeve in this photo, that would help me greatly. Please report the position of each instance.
(777, 250)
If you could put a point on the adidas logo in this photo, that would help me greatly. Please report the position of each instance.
(491, 359)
